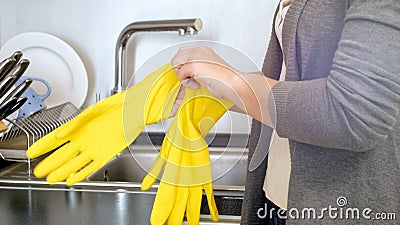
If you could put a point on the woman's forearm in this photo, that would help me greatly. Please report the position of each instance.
(250, 93)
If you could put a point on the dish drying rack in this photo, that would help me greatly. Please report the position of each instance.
(22, 133)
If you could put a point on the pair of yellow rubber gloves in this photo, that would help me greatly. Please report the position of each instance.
(86, 143)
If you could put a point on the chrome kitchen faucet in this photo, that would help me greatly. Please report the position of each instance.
(183, 26)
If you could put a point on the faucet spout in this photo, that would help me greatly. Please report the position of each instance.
(183, 27)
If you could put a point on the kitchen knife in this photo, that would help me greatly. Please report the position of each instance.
(18, 91)
(9, 63)
(5, 67)
(16, 74)
(5, 83)
(11, 106)
(7, 105)
(17, 55)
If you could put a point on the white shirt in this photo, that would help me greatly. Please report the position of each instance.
(276, 182)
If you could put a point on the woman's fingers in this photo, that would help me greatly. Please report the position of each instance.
(192, 55)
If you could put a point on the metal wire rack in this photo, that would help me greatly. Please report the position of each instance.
(24, 132)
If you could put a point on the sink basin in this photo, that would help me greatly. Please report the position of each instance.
(122, 177)
(228, 166)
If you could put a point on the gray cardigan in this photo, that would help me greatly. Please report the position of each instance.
(339, 107)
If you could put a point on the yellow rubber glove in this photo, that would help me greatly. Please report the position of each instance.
(185, 155)
(103, 130)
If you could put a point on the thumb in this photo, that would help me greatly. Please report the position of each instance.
(91, 113)
(74, 124)
(178, 100)
(190, 83)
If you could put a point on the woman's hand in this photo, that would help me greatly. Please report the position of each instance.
(248, 91)
(201, 65)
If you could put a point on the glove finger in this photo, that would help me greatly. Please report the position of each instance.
(69, 168)
(194, 205)
(153, 173)
(55, 160)
(157, 166)
(181, 200)
(83, 174)
(44, 145)
(211, 201)
(162, 205)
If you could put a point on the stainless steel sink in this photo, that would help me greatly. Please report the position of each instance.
(122, 176)
(228, 166)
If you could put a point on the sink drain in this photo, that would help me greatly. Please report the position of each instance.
(106, 177)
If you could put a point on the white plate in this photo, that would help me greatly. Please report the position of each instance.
(55, 61)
